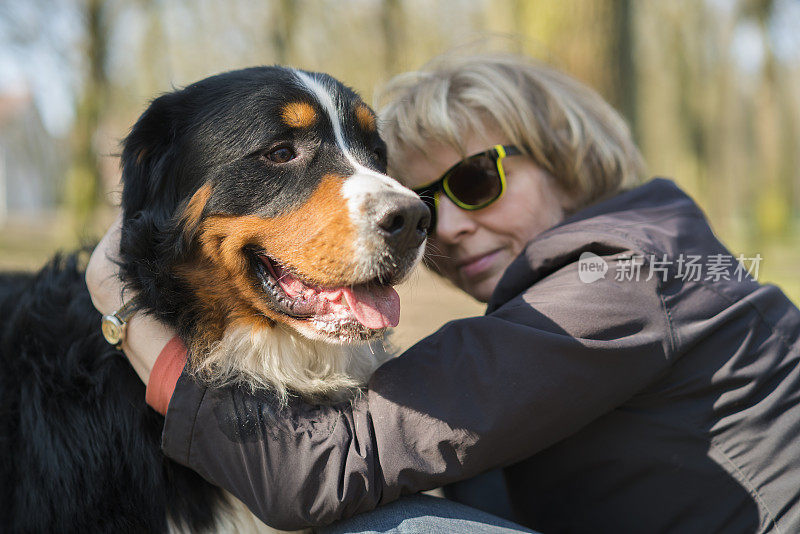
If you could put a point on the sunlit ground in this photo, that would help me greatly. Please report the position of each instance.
(427, 300)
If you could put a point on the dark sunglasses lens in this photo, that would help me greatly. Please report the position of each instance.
(475, 182)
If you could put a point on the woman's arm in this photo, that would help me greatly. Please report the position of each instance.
(145, 337)
(479, 393)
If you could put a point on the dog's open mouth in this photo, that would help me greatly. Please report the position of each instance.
(349, 313)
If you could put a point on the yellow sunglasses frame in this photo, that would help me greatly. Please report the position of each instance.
(497, 152)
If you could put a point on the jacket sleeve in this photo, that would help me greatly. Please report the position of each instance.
(479, 393)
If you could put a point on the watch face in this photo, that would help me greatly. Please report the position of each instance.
(112, 330)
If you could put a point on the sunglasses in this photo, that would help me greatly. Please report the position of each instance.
(472, 184)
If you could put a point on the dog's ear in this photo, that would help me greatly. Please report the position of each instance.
(150, 159)
(153, 190)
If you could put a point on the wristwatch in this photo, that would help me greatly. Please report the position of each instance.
(114, 325)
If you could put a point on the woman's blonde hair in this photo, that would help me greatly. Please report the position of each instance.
(567, 128)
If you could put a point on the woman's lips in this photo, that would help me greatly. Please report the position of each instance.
(474, 266)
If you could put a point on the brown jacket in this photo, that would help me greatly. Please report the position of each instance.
(663, 404)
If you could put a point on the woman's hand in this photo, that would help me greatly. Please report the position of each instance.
(145, 337)
(102, 274)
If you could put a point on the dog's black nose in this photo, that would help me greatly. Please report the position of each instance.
(405, 223)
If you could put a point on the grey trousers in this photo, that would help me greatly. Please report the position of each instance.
(422, 514)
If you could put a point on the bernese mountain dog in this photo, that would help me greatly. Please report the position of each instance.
(258, 221)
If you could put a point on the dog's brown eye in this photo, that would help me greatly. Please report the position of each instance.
(280, 155)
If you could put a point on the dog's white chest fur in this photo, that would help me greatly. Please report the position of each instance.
(282, 360)
(236, 519)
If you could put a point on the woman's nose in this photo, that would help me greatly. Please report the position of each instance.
(451, 221)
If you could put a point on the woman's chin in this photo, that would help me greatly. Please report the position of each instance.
(481, 289)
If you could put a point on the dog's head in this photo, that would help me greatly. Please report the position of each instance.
(259, 196)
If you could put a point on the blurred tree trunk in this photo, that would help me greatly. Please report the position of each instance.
(154, 63)
(283, 25)
(690, 34)
(624, 80)
(85, 176)
(392, 23)
(776, 133)
(593, 41)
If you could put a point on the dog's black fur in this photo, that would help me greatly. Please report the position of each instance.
(79, 449)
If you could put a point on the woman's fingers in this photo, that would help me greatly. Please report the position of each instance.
(102, 273)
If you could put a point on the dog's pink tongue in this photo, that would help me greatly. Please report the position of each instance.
(374, 306)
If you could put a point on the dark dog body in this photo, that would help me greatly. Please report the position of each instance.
(79, 449)
(259, 224)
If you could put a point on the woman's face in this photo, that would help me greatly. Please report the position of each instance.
(474, 248)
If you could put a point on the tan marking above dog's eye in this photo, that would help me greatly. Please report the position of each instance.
(365, 117)
(299, 115)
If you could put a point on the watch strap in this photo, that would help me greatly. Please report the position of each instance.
(127, 310)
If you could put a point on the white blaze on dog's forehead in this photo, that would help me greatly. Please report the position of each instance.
(364, 181)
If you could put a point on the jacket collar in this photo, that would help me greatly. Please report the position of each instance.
(562, 244)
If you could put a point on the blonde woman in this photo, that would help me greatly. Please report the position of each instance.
(618, 389)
